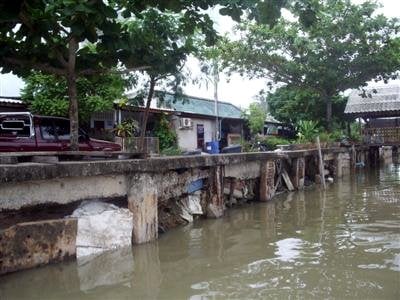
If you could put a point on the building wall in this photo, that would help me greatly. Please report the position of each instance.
(106, 117)
(187, 138)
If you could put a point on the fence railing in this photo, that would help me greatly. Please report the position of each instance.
(382, 135)
(151, 145)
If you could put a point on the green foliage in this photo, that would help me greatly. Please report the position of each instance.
(247, 146)
(47, 94)
(291, 104)
(355, 132)
(307, 131)
(74, 39)
(171, 151)
(166, 135)
(271, 142)
(127, 128)
(255, 117)
(343, 46)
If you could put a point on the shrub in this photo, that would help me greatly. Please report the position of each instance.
(171, 151)
(307, 131)
(271, 142)
(127, 128)
(166, 135)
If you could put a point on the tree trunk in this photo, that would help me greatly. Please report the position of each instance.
(73, 97)
(146, 114)
(328, 101)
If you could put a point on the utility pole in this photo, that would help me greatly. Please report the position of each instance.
(216, 81)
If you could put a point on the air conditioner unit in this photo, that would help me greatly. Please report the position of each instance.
(185, 123)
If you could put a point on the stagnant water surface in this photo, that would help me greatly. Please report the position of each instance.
(342, 243)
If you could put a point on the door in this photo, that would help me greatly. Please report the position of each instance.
(200, 136)
(62, 130)
(46, 136)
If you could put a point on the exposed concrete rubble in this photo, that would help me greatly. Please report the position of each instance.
(190, 206)
(102, 227)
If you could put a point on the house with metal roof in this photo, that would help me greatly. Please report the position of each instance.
(10, 104)
(196, 120)
(379, 107)
(199, 120)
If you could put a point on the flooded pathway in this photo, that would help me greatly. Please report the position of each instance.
(342, 243)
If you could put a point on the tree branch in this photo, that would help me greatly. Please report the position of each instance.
(39, 66)
(126, 71)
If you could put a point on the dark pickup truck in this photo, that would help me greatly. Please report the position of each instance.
(23, 131)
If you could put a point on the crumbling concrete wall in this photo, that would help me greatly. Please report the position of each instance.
(28, 245)
(161, 193)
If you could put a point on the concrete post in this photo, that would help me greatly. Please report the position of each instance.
(142, 202)
(215, 206)
(267, 180)
(298, 172)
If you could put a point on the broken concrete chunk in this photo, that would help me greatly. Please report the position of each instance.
(190, 205)
(102, 227)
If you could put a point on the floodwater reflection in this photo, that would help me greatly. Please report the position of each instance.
(340, 243)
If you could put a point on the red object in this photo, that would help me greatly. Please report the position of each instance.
(24, 132)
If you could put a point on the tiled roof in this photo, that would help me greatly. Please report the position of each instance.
(385, 101)
(201, 106)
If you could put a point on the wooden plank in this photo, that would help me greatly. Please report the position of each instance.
(287, 180)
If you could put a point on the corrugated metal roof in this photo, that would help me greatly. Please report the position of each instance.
(386, 100)
(201, 106)
(10, 100)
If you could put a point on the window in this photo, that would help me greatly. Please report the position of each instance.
(15, 126)
(62, 129)
(47, 129)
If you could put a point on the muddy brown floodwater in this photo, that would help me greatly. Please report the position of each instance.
(343, 243)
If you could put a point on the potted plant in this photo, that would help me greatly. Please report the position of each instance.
(124, 130)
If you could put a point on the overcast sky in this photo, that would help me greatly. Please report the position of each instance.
(239, 91)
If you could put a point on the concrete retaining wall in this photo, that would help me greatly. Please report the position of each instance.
(153, 189)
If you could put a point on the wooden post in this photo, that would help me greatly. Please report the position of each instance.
(298, 172)
(353, 157)
(142, 202)
(267, 177)
(215, 207)
(395, 154)
(339, 165)
(321, 164)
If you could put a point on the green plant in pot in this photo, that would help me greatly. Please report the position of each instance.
(125, 130)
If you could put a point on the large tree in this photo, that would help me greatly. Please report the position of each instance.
(76, 38)
(343, 46)
(170, 45)
(291, 105)
(47, 94)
